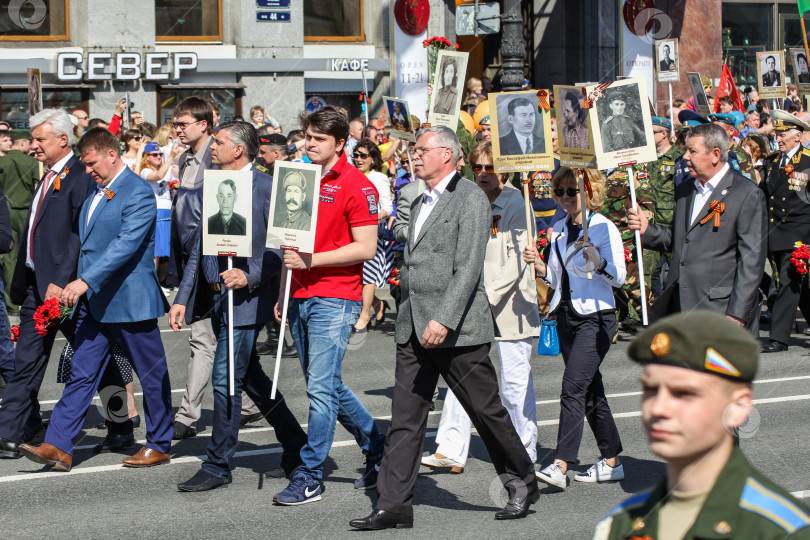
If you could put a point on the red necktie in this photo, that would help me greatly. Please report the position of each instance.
(46, 183)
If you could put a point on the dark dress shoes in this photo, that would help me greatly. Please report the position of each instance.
(203, 481)
(517, 507)
(774, 346)
(250, 418)
(47, 454)
(380, 519)
(114, 442)
(9, 450)
(182, 431)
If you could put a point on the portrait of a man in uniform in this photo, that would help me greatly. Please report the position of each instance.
(226, 221)
(666, 62)
(621, 120)
(293, 197)
(771, 72)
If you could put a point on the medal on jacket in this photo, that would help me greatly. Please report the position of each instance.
(495, 220)
(797, 181)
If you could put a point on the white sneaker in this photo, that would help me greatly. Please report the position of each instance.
(439, 463)
(553, 476)
(601, 472)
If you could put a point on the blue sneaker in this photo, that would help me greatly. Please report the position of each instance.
(302, 490)
(369, 478)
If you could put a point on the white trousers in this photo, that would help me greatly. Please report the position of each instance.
(517, 396)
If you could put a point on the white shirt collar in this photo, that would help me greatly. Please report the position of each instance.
(247, 167)
(436, 192)
(714, 180)
(109, 186)
(200, 154)
(59, 165)
(792, 152)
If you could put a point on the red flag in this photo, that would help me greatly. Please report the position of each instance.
(728, 88)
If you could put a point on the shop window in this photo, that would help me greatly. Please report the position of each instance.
(747, 29)
(336, 20)
(43, 20)
(14, 104)
(188, 20)
(227, 100)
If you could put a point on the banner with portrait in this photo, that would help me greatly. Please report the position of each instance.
(698, 93)
(227, 213)
(574, 128)
(622, 125)
(294, 206)
(399, 118)
(521, 132)
(801, 72)
(771, 75)
(448, 88)
(34, 91)
(667, 60)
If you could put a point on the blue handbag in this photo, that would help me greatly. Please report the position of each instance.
(549, 342)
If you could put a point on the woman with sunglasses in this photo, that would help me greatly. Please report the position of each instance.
(583, 275)
(513, 301)
(376, 271)
(132, 145)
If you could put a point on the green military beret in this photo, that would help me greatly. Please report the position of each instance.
(700, 340)
(20, 134)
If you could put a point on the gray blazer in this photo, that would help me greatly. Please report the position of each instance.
(718, 269)
(442, 275)
(407, 194)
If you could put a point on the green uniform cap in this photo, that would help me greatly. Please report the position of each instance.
(20, 134)
(702, 341)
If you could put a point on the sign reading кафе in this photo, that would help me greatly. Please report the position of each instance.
(154, 66)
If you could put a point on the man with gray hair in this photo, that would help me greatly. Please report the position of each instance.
(717, 236)
(47, 262)
(444, 327)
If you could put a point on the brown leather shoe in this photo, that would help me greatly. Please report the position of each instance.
(146, 457)
(47, 454)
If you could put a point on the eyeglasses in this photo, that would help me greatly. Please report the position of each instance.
(360, 155)
(571, 192)
(420, 150)
(155, 154)
(183, 125)
(137, 137)
(489, 167)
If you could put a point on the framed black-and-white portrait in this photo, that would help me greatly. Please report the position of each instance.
(622, 125)
(521, 132)
(573, 127)
(34, 77)
(801, 71)
(771, 74)
(448, 87)
(667, 60)
(294, 206)
(399, 117)
(698, 93)
(227, 213)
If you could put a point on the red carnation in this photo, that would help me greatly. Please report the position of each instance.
(15, 333)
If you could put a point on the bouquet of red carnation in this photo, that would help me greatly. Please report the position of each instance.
(49, 314)
(394, 279)
(542, 240)
(174, 184)
(15, 333)
(433, 46)
(799, 258)
(628, 255)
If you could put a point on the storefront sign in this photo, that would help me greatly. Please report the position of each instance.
(273, 16)
(349, 64)
(125, 66)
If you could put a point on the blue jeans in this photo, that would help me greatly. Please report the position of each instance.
(321, 328)
(248, 376)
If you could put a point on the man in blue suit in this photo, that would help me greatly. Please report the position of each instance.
(47, 258)
(116, 299)
(254, 281)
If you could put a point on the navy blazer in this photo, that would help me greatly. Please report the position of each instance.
(252, 304)
(56, 235)
(117, 253)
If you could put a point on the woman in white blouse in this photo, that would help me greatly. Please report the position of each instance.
(583, 275)
(376, 271)
(513, 299)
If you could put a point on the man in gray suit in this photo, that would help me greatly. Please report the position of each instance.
(193, 123)
(717, 236)
(444, 327)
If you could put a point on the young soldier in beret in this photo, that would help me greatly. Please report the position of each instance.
(698, 369)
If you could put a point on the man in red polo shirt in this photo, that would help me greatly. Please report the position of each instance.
(326, 300)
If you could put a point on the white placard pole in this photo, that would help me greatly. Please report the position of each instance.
(281, 332)
(671, 115)
(583, 197)
(231, 389)
(632, 177)
(365, 96)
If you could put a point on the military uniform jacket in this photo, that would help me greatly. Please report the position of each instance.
(661, 176)
(742, 504)
(18, 179)
(788, 213)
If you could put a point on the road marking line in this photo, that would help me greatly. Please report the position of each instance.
(801, 494)
(276, 450)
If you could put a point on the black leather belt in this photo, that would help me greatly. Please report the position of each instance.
(214, 287)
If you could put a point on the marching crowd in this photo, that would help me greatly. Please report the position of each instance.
(108, 222)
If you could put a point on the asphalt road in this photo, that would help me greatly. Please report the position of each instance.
(100, 499)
